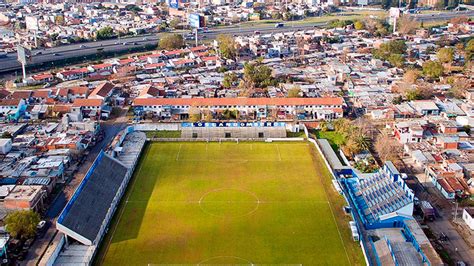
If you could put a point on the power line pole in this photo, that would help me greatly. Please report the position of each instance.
(455, 211)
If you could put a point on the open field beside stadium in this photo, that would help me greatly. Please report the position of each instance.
(230, 203)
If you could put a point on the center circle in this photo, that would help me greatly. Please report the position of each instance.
(229, 202)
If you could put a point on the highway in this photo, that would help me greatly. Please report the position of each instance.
(442, 15)
(50, 55)
(46, 55)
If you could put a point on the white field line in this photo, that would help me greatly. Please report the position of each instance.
(279, 154)
(335, 222)
(179, 151)
(234, 201)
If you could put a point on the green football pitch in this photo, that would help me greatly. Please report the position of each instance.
(225, 203)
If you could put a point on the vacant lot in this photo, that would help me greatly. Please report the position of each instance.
(229, 203)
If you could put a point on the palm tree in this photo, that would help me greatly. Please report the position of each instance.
(362, 142)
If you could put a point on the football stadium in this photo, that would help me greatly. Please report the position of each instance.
(225, 203)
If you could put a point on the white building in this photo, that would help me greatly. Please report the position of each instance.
(468, 217)
(5, 146)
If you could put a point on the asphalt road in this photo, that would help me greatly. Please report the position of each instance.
(10, 63)
(39, 56)
(442, 15)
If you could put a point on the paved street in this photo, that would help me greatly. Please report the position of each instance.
(40, 56)
(442, 223)
(111, 128)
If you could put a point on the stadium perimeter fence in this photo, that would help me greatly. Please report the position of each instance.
(362, 240)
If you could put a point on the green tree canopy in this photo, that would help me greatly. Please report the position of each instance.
(294, 92)
(229, 79)
(445, 55)
(396, 60)
(22, 224)
(359, 25)
(227, 46)
(171, 41)
(105, 33)
(174, 23)
(259, 74)
(469, 50)
(389, 48)
(432, 69)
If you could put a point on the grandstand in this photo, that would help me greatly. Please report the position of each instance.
(86, 217)
(382, 198)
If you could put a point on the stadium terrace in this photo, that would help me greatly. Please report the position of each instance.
(250, 108)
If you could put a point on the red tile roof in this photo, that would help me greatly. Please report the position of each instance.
(42, 76)
(78, 90)
(10, 102)
(126, 61)
(101, 66)
(87, 102)
(153, 66)
(239, 101)
(210, 58)
(103, 89)
(182, 61)
(198, 48)
(21, 94)
(41, 93)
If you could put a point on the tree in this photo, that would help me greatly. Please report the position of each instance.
(229, 79)
(413, 94)
(294, 92)
(432, 69)
(342, 125)
(260, 75)
(387, 148)
(227, 46)
(396, 60)
(411, 76)
(22, 224)
(469, 50)
(359, 25)
(362, 141)
(133, 8)
(194, 114)
(105, 33)
(407, 25)
(174, 23)
(458, 87)
(445, 55)
(389, 48)
(277, 15)
(7, 135)
(171, 41)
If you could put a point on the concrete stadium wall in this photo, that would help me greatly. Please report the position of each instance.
(235, 132)
(52, 252)
(157, 126)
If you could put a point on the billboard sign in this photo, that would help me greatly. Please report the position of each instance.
(195, 21)
(234, 124)
(24, 54)
(173, 3)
